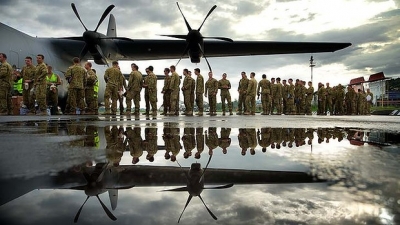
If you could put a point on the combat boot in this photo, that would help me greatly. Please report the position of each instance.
(246, 113)
(154, 113)
(239, 113)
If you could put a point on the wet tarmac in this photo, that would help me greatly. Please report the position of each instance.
(200, 170)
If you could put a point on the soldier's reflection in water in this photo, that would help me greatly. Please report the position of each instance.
(74, 129)
(171, 138)
(225, 141)
(92, 137)
(189, 142)
(134, 140)
(150, 142)
(252, 140)
(211, 139)
(264, 138)
(243, 141)
(115, 144)
(199, 142)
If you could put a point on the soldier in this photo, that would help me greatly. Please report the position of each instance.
(53, 80)
(251, 95)
(273, 90)
(285, 90)
(309, 97)
(192, 92)
(251, 139)
(90, 93)
(134, 139)
(5, 85)
(370, 98)
(302, 98)
(350, 98)
(243, 83)
(150, 142)
(321, 99)
(211, 89)
(114, 81)
(339, 101)
(278, 95)
(150, 91)
(121, 93)
(115, 144)
(40, 85)
(224, 85)
(28, 74)
(264, 138)
(224, 141)
(133, 90)
(174, 89)
(17, 81)
(211, 139)
(166, 92)
(361, 99)
(264, 89)
(243, 141)
(76, 77)
(199, 91)
(186, 90)
(290, 98)
(329, 96)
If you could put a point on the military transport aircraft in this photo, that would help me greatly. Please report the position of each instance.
(103, 49)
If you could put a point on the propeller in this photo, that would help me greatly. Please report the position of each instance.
(195, 187)
(194, 39)
(92, 38)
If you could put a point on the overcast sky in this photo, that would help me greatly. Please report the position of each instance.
(372, 26)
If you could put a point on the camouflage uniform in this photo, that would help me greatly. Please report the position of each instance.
(150, 141)
(264, 89)
(302, 99)
(28, 74)
(339, 100)
(243, 83)
(321, 100)
(251, 139)
(277, 100)
(285, 89)
(174, 89)
(199, 93)
(251, 97)
(76, 75)
(150, 93)
(211, 88)
(309, 97)
(224, 141)
(5, 88)
(350, 98)
(167, 95)
(290, 99)
(369, 102)
(264, 138)
(41, 86)
(187, 90)
(115, 145)
(224, 85)
(134, 139)
(199, 142)
(90, 95)
(329, 96)
(52, 92)
(189, 142)
(243, 141)
(211, 139)
(133, 91)
(114, 80)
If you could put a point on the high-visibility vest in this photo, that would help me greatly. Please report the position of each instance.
(96, 89)
(18, 86)
(52, 79)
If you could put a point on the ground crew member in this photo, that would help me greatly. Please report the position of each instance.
(150, 91)
(211, 89)
(174, 89)
(17, 84)
(243, 83)
(278, 95)
(5, 85)
(251, 95)
(264, 89)
(28, 74)
(329, 95)
(113, 78)
(40, 85)
(224, 85)
(76, 77)
(199, 91)
(224, 141)
(350, 101)
(285, 87)
(53, 80)
(166, 93)
(134, 140)
(339, 102)
(91, 90)
(186, 90)
(321, 99)
(290, 98)
(135, 84)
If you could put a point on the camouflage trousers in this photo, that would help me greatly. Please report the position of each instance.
(135, 96)
(111, 92)
(175, 100)
(251, 103)
(167, 101)
(187, 101)
(266, 103)
(29, 98)
(212, 100)
(52, 97)
(76, 99)
(91, 100)
(200, 102)
(40, 95)
(5, 100)
(241, 103)
(227, 98)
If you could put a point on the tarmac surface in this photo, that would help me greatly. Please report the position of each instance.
(268, 169)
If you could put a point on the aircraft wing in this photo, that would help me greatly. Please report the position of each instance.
(142, 49)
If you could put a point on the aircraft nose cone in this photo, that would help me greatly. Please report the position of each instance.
(90, 36)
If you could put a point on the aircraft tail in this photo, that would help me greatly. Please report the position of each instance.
(112, 27)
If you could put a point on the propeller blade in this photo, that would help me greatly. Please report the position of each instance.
(219, 38)
(100, 177)
(211, 10)
(79, 211)
(187, 203)
(102, 55)
(105, 14)
(177, 189)
(77, 15)
(209, 159)
(109, 214)
(83, 52)
(187, 24)
(209, 211)
(220, 187)
(175, 36)
(209, 67)
(184, 53)
(113, 195)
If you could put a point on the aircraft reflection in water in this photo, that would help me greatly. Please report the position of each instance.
(195, 185)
